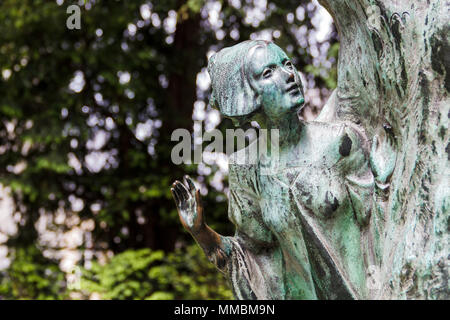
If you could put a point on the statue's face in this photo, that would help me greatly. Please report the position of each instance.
(276, 80)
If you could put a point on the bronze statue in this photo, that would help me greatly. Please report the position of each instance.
(310, 228)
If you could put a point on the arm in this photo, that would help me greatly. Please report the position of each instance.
(368, 187)
(383, 157)
(372, 175)
(359, 179)
(190, 211)
(251, 260)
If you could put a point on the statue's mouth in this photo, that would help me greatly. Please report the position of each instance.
(293, 89)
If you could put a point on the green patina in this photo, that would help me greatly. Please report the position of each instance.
(354, 205)
(299, 226)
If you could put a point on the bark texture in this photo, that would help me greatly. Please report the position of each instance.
(393, 79)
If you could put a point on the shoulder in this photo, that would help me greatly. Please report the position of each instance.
(243, 169)
(245, 156)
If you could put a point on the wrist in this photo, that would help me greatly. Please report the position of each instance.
(198, 231)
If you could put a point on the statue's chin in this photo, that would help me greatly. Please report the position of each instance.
(298, 106)
(301, 103)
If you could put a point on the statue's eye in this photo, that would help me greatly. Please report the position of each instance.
(267, 73)
(288, 65)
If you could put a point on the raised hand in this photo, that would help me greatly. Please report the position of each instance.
(383, 157)
(190, 210)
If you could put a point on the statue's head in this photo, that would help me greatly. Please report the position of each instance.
(254, 77)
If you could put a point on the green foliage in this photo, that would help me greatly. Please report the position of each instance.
(31, 276)
(155, 275)
(47, 127)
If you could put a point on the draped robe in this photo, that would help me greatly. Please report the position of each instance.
(306, 230)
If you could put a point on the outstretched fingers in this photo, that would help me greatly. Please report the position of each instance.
(183, 192)
(192, 189)
(374, 143)
(187, 198)
(195, 193)
(175, 195)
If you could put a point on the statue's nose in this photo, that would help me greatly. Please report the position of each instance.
(290, 77)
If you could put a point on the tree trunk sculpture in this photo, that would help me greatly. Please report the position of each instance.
(357, 207)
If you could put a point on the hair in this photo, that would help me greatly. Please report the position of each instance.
(232, 92)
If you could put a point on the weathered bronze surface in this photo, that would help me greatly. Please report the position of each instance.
(331, 219)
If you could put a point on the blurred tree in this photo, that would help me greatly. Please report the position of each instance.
(87, 115)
